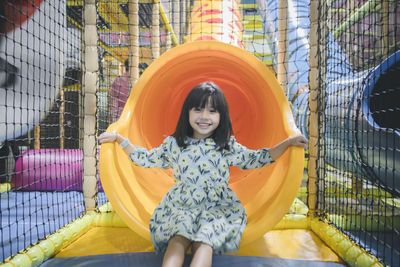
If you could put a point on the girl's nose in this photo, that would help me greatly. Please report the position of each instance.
(204, 113)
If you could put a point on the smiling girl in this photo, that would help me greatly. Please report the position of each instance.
(200, 210)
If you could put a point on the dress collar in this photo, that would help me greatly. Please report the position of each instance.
(193, 141)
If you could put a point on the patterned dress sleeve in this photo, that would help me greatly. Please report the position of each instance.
(157, 157)
(245, 158)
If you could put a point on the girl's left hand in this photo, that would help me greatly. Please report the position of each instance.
(299, 140)
(107, 137)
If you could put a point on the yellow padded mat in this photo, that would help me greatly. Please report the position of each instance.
(289, 244)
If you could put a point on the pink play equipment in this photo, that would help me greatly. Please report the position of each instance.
(49, 170)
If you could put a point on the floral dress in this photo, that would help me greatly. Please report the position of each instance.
(200, 206)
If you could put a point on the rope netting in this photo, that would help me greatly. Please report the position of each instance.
(40, 122)
(359, 185)
(48, 125)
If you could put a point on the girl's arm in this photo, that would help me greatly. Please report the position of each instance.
(107, 137)
(157, 157)
(298, 140)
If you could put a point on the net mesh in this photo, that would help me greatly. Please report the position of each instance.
(359, 191)
(40, 120)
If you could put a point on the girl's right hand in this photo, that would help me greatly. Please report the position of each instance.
(107, 137)
(299, 140)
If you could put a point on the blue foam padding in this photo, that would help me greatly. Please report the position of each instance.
(27, 217)
(150, 259)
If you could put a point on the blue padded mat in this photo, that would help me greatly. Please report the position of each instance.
(150, 259)
(26, 217)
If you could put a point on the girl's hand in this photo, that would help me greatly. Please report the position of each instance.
(107, 137)
(299, 140)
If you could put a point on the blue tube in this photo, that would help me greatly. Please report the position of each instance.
(360, 139)
(298, 44)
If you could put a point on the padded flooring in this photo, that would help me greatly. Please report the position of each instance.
(120, 246)
(150, 259)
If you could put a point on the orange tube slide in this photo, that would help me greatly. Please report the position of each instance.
(261, 117)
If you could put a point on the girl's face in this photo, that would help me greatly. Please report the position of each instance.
(204, 121)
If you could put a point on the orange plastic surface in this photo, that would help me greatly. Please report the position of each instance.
(260, 114)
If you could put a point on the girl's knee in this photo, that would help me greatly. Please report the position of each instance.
(202, 246)
(202, 255)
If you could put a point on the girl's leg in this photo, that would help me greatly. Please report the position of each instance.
(202, 255)
(175, 253)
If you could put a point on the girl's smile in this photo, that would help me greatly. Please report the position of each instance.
(203, 121)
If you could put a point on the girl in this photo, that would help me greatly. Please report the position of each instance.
(200, 209)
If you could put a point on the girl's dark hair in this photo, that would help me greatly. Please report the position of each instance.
(198, 97)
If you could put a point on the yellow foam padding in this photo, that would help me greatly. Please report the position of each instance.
(261, 117)
(36, 254)
(107, 240)
(299, 244)
(288, 244)
(347, 250)
(5, 187)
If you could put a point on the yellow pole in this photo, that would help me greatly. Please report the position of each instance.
(133, 19)
(37, 137)
(167, 18)
(316, 163)
(177, 19)
(89, 88)
(282, 43)
(168, 26)
(184, 17)
(155, 31)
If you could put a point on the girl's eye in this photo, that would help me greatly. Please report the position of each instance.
(197, 109)
(213, 110)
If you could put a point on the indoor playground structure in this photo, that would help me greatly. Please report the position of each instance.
(329, 69)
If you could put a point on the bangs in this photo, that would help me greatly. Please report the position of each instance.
(201, 97)
(203, 101)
